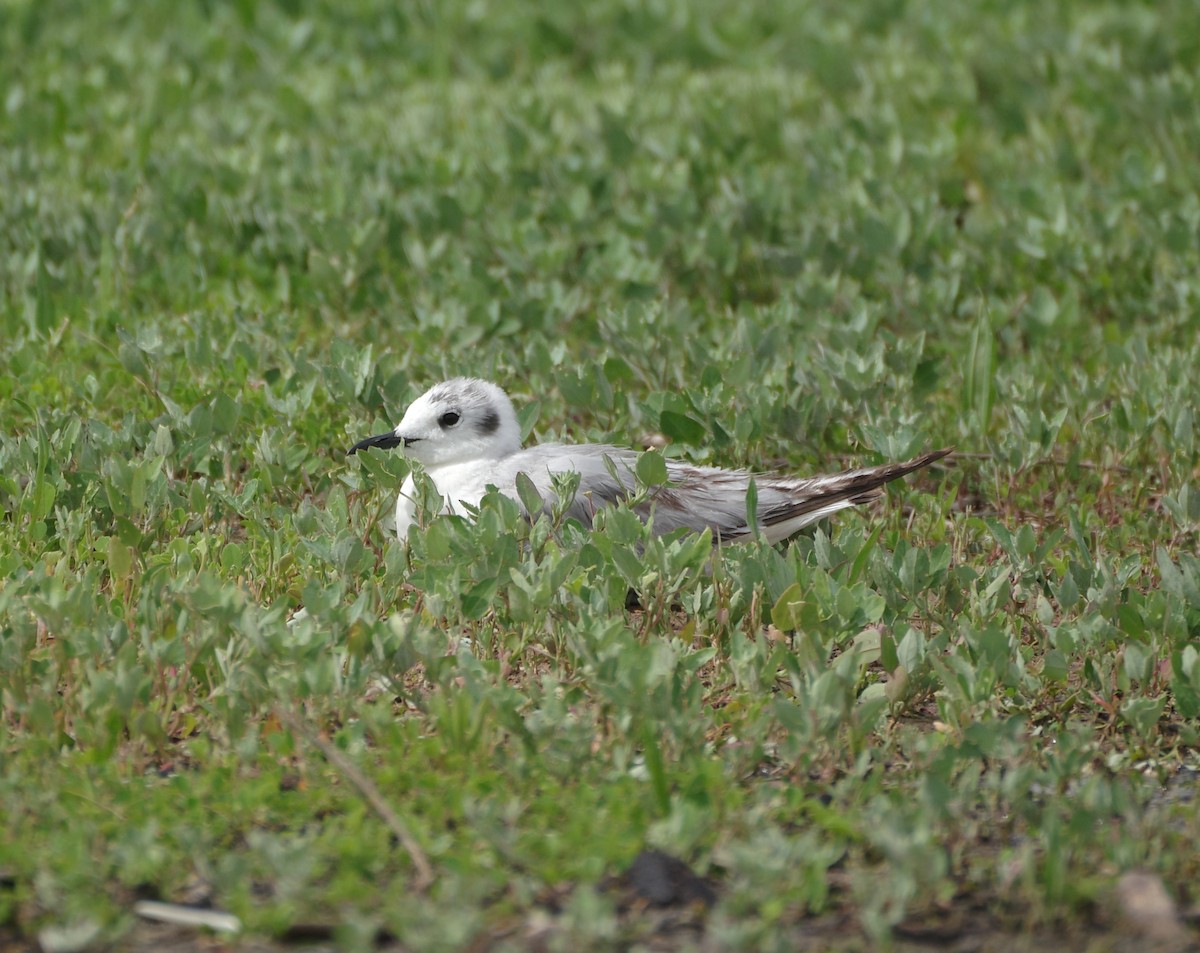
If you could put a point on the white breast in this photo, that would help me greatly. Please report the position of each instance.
(456, 483)
(406, 510)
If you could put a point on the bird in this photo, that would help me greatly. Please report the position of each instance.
(465, 434)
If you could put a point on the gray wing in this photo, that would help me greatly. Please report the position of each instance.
(595, 463)
(699, 498)
(695, 498)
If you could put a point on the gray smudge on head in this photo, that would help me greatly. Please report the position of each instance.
(460, 394)
(466, 391)
(489, 423)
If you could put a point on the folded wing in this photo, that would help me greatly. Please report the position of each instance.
(697, 498)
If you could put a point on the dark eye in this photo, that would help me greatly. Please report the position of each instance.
(449, 419)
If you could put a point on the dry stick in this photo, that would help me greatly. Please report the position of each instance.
(366, 787)
(1049, 462)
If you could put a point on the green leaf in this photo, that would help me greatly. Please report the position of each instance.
(785, 614)
(752, 508)
(910, 653)
(578, 390)
(527, 416)
(120, 560)
(1185, 674)
(477, 601)
(652, 469)
(44, 495)
(1026, 541)
(681, 428)
(1137, 661)
(979, 373)
(1142, 713)
(225, 414)
(656, 769)
(1055, 667)
(926, 378)
(530, 498)
(888, 656)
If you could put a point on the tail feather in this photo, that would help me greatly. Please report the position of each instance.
(813, 498)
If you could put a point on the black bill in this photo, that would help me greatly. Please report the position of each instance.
(384, 441)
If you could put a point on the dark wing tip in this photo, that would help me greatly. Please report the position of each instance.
(878, 476)
(854, 486)
(931, 457)
(894, 470)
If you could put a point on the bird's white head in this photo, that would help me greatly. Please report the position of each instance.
(456, 421)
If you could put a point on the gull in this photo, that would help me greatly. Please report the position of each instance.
(464, 433)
